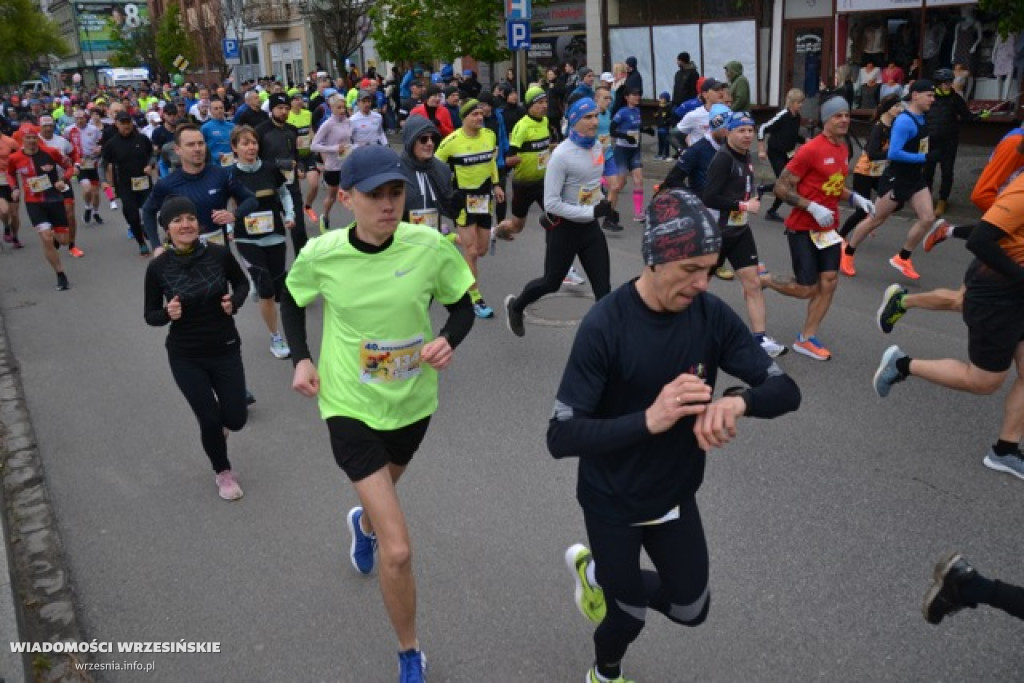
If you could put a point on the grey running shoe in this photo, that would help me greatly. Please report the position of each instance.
(886, 375)
(943, 597)
(513, 318)
(891, 309)
(1011, 464)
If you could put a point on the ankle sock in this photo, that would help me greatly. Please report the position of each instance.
(905, 255)
(850, 250)
(961, 232)
(1005, 447)
(903, 366)
(608, 672)
(759, 337)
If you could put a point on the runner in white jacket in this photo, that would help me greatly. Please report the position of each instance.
(333, 141)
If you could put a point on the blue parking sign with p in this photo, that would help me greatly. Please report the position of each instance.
(518, 35)
(231, 50)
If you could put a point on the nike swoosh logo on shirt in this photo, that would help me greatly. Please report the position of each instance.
(403, 273)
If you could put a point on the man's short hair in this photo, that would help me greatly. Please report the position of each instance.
(182, 129)
(683, 56)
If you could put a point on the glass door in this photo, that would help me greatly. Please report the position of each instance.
(808, 50)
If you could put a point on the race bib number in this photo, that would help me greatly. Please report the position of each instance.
(344, 151)
(590, 194)
(877, 168)
(390, 361)
(922, 147)
(737, 218)
(824, 240)
(140, 183)
(478, 204)
(88, 163)
(259, 223)
(213, 238)
(304, 141)
(289, 175)
(3, 180)
(542, 159)
(603, 139)
(39, 183)
(429, 217)
(227, 159)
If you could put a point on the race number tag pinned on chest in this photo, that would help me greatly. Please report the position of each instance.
(737, 218)
(824, 240)
(390, 360)
(88, 163)
(877, 168)
(140, 183)
(259, 223)
(922, 147)
(429, 217)
(303, 142)
(590, 194)
(543, 158)
(213, 238)
(478, 203)
(227, 159)
(39, 183)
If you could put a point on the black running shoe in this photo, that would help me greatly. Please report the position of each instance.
(943, 597)
(97, 218)
(62, 282)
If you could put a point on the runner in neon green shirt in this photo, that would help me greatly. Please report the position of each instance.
(377, 380)
(472, 152)
(302, 118)
(528, 154)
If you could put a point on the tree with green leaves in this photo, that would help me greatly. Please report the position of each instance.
(26, 36)
(1010, 13)
(425, 30)
(172, 39)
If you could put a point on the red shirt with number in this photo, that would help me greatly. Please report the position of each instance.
(821, 167)
(23, 170)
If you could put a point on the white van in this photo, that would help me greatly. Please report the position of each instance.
(36, 86)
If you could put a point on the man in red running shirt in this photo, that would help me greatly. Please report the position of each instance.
(8, 207)
(814, 183)
(39, 172)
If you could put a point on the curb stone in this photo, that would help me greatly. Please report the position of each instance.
(36, 597)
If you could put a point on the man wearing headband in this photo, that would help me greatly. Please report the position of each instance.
(636, 405)
(731, 195)
(902, 183)
(471, 152)
(377, 380)
(814, 182)
(574, 204)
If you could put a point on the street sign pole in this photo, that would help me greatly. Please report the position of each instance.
(518, 14)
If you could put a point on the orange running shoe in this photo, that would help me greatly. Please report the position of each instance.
(904, 266)
(311, 214)
(939, 233)
(812, 348)
(846, 264)
(76, 252)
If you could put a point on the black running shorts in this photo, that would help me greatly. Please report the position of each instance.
(361, 450)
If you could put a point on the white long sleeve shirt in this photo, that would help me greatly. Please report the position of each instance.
(367, 129)
(333, 132)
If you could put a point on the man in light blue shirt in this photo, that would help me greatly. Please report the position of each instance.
(217, 133)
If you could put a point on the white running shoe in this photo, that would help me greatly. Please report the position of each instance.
(279, 347)
(573, 278)
(773, 348)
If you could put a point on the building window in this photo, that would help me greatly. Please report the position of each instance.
(727, 9)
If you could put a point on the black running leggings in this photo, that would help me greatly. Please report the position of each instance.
(678, 588)
(778, 160)
(215, 390)
(565, 242)
(131, 202)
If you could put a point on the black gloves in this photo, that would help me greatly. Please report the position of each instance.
(602, 208)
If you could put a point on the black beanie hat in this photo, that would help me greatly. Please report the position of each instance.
(175, 206)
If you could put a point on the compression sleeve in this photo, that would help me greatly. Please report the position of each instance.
(460, 320)
(293, 322)
(984, 243)
(903, 129)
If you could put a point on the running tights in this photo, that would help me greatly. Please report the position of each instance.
(678, 588)
(215, 390)
(995, 593)
(565, 242)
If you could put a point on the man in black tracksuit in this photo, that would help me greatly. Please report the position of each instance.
(783, 132)
(944, 118)
(279, 148)
(129, 155)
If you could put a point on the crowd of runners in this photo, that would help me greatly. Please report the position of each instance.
(214, 185)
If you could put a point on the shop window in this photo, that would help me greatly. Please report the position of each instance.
(727, 9)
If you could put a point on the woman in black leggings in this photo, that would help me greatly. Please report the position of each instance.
(197, 288)
(873, 160)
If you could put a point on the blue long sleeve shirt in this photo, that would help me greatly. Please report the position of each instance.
(904, 131)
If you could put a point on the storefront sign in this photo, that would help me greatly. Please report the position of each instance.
(102, 26)
(843, 6)
(560, 16)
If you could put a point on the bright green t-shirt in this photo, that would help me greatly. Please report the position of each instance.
(304, 122)
(145, 102)
(533, 139)
(350, 98)
(473, 160)
(376, 320)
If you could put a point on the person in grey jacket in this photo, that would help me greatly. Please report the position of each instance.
(428, 194)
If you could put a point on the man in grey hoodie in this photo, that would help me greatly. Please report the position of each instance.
(428, 194)
(739, 86)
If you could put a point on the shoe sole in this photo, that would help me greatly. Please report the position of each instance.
(804, 352)
(885, 300)
(939, 579)
(580, 592)
(508, 316)
(886, 357)
(280, 356)
(927, 242)
(352, 546)
(993, 465)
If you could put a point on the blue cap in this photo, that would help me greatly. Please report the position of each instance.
(718, 115)
(367, 168)
(738, 119)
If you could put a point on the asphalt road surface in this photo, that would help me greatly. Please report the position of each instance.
(823, 525)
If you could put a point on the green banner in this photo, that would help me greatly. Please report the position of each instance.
(101, 25)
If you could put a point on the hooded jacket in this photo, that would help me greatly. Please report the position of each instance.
(432, 177)
(739, 86)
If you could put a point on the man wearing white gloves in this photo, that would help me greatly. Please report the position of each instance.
(814, 182)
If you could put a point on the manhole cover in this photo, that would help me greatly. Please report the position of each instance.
(561, 309)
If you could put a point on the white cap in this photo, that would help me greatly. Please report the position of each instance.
(607, 76)
(153, 117)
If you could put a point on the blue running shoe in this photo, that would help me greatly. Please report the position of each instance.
(412, 666)
(886, 375)
(482, 310)
(364, 545)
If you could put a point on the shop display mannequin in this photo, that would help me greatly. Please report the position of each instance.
(1002, 63)
(873, 39)
(966, 38)
(934, 34)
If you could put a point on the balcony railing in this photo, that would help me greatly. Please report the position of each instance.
(265, 14)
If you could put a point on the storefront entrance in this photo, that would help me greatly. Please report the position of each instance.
(808, 50)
